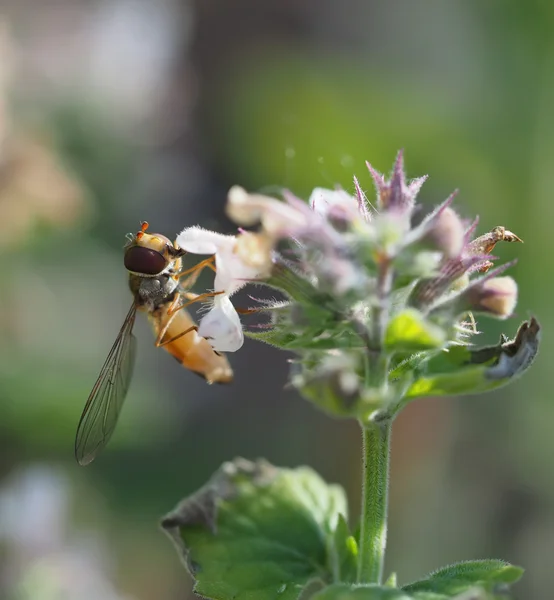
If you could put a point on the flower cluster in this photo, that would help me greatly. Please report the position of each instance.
(367, 289)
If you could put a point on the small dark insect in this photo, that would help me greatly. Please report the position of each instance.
(158, 288)
(485, 244)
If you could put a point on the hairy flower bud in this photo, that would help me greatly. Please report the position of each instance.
(446, 233)
(396, 194)
(496, 296)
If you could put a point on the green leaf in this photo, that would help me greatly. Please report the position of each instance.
(471, 580)
(256, 532)
(344, 553)
(462, 370)
(465, 381)
(343, 591)
(489, 575)
(307, 338)
(408, 331)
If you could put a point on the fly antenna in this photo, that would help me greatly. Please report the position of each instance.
(143, 228)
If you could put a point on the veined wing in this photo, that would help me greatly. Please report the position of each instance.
(104, 404)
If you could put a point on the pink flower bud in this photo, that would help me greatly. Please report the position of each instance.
(447, 233)
(496, 296)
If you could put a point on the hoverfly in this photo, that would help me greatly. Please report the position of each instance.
(158, 288)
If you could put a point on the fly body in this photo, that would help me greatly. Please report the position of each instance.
(156, 282)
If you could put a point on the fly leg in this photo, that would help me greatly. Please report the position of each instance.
(164, 329)
(197, 298)
(160, 344)
(190, 295)
(194, 272)
(173, 309)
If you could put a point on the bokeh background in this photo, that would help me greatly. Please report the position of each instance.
(114, 111)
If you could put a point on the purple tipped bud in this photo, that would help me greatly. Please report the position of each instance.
(396, 194)
(428, 291)
(415, 186)
(471, 229)
(397, 183)
(496, 296)
(363, 202)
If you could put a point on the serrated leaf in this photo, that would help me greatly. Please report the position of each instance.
(408, 331)
(256, 532)
(343, 553)
(453, 580)
(343, 591)
(462, 370)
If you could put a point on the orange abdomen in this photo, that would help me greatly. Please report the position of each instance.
(191, 350)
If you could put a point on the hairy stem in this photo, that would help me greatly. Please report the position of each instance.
(375, 486)
(378, 361)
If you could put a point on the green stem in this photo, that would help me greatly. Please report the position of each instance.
(375, 486)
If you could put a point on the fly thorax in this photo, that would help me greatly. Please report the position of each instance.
(152, 291)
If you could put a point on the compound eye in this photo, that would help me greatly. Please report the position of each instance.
(144, 261)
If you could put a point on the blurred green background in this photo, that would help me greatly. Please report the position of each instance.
(114, 111)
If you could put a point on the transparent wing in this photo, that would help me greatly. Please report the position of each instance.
(104, 404)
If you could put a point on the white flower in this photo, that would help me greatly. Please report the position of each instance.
(222, 327)
(334, 203)
(238, 260)
(248, 256)
(276, 217)
(305, 222)
(292, 218)
(234, 266)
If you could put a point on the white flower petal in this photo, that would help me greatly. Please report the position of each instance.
(202, 241)
(222, 327)
(232, 270)
(275, 216)
(228, 270)
(327, 202)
